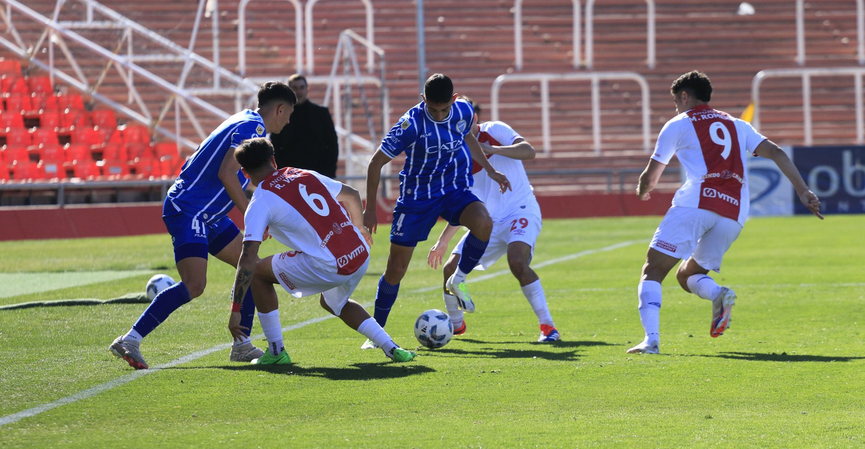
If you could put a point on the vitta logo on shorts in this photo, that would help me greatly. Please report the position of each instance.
(287, 281)
(344, 260)
(709, 192)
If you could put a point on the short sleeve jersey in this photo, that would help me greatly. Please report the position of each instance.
(437, 159)
(300, 210)
(198, 191)
(501, 205)
(712, 147)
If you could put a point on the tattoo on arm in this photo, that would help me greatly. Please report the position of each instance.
(241, 284)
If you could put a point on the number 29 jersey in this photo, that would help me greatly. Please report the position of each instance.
(712, 147)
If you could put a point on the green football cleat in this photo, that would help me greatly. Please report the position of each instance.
(461, 292)
(270, 359)
(402, 355)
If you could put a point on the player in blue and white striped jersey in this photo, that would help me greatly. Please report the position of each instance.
(434, 182)
(195, 214)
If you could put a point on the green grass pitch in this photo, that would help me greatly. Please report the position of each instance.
(788, 373)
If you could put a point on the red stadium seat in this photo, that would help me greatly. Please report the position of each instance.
(139, 150)
(78, 152)
(11, 84)
(18, 137)
(12, 153)
(10, 120)
(25, 170)
(87, 136)
(114, 168)
(42, 102)
(167, 149)
(10, 67)
(146, 167)
(40, 85)
(85, 169)
(115, 151)
(4, 174)
(70, 101)
(170, 167)
(49, 119)
(18, 103)
(51, 152)
(74, 118)
(51, 169)
(136, 134)
(44, 136)
(104, 118)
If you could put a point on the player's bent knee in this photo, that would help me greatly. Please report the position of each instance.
(195, 287)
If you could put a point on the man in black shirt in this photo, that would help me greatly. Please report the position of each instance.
(309, 139)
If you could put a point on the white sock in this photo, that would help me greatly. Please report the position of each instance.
(649, 293)
(454, 312)
(704, 286)
(534, 292)
(272, 331)
(242, 341)
(459, 276)
(371, 330)
(132, 335)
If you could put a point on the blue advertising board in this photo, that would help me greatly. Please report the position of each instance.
(836, 174)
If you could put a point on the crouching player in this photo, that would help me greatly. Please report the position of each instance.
(301, 209)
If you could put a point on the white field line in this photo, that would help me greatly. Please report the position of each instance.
(90, 392)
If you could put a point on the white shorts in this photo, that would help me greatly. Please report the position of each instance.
(698, 233)
(302, 275)
(523, 225)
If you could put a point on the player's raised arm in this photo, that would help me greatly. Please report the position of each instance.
(649, 179)
(770, 150)
(373, 177)
(478, 156)
(520, 150)
(242, 281)
(228, 175)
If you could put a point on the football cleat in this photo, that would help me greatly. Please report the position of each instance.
(246, 352)
(548, 334)
(368, 344)
(128, 351)
(398, 354)
(460, 330)
(461, 292)
(269, 359)
(646, 347)
(721, 308)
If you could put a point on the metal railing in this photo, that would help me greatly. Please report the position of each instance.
(650, 33)
(800, 31)
(518, 33)
(59, 33)
(241, 36)
(370, 36)
(806, 75)
(595, 78)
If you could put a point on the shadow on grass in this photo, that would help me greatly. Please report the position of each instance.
(497, 353)
(357, 371)
(782, 357)
(555, 344)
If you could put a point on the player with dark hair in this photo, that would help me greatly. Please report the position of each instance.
(195, 214)
(435, 182)
(301, 209)
(710, 208)
(516, 219)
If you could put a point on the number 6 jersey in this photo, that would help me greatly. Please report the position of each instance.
(711, 145)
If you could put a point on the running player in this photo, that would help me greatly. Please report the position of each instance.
(709, 210)
(434, 182)
(194, 212)
(301, 209)
(516, 219)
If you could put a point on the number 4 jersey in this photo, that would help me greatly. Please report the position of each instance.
(712, 147)
(300, 210)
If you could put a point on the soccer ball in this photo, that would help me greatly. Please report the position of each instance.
(433, 329)
(156, 284)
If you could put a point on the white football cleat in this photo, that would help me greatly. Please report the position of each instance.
(368, 344)
(646, 347)
(722, 305)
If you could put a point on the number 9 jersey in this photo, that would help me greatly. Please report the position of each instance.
(712, 147)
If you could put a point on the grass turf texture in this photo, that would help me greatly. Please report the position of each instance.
(788, 372)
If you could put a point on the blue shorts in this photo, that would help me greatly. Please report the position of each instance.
(194, 238)
(412, 221)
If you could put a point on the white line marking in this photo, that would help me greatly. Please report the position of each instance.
(90, 392)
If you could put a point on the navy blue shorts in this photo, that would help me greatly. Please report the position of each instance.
(193, 238)
(413, 221)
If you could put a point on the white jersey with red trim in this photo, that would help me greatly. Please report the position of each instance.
(711, 145)
(300, 210)
(500, 205)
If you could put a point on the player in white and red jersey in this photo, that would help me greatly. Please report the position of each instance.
(516, 222)
(301, 209)
(710, 208)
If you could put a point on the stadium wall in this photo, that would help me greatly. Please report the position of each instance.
(114, 220)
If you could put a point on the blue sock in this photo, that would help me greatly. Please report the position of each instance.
(473, 250)
(166, 302)
(385, 296)
(247, 312)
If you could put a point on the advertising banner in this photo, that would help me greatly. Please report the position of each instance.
(836, 174)
(771, 192)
